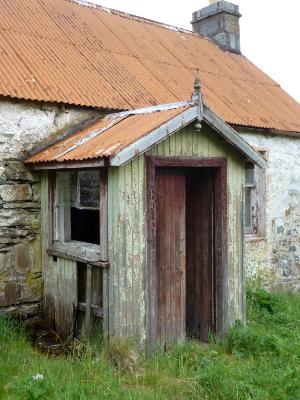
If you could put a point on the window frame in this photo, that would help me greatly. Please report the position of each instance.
(257, 231)
(63, 246)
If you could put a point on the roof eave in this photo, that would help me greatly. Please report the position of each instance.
(184, 119)
(154, 137)
(159, 134)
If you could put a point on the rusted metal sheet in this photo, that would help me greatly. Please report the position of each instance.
(104, 138)
(123, 136)
(66, 52)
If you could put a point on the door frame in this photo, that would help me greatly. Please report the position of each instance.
(219, 164)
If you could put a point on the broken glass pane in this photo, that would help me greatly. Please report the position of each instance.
(89, 189)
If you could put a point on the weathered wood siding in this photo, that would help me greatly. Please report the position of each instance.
(59, 278)
(125, 281)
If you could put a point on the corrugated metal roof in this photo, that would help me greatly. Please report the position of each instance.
(105, 137)
(62, 51)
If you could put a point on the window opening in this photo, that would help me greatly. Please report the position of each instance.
(255, 200)
(77, 206)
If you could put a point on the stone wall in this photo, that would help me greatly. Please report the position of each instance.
(24, 126)
(276, 257)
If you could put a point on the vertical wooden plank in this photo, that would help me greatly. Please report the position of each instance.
(103, 214)
(88, 302)
(109, 278)
(47, 275)
(178, 143)
(122, 250)
(160, 149)
(179, 299)
(194, 138)
(129, 248)
(141, 327)
(173, 145)
(136, 246)
(243, 272)
(170, 254)
(200, 299)
(188, 142)
(63, 209)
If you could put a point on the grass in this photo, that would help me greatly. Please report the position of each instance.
(258, 361)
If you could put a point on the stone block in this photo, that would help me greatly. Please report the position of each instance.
(12, 292)
(19, 218)
(36, 192)
(26, 204)
(23, 258)
(13, 233)
(17, 171)
(19, 192)
(36, 251)
(23, 311)
(4, 264)
(3, 176)
(30, 294)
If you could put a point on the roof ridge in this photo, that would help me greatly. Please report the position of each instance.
(151, 109)
(124, 14)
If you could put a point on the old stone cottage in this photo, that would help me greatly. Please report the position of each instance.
(69, 72)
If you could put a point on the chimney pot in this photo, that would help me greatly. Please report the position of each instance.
(220, 22)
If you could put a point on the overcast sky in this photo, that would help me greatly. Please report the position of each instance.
(270, 31)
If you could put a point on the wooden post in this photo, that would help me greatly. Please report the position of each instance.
(103, 214)
(51, 204)
(88, 298)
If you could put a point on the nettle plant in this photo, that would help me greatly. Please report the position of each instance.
(35, 387)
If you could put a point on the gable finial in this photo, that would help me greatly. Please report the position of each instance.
(197, 85)
(197, 96)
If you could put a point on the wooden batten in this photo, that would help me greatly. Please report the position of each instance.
(68, 165)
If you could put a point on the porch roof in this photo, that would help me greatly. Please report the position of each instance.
(117, 138)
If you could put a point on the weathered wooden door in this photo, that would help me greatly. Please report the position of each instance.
(171, 254)
(200, 279)
(185, 253)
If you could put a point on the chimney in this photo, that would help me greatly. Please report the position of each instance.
(220, 22)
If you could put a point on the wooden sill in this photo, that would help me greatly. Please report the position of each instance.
(78, 251)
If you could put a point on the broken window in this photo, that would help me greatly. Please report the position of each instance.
(254, 200)
(77, 202)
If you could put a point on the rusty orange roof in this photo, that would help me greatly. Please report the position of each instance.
(66, 52)
(106, 137)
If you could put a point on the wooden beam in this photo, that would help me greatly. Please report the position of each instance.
(66, 165)
(78, 251)
(54, 253)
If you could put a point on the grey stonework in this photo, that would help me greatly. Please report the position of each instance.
(219, 22)
(23, 126)
(20, 261)
(276, 255)
(286, 249)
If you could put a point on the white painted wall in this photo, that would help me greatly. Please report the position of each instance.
(279, 253)
(24, 125)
